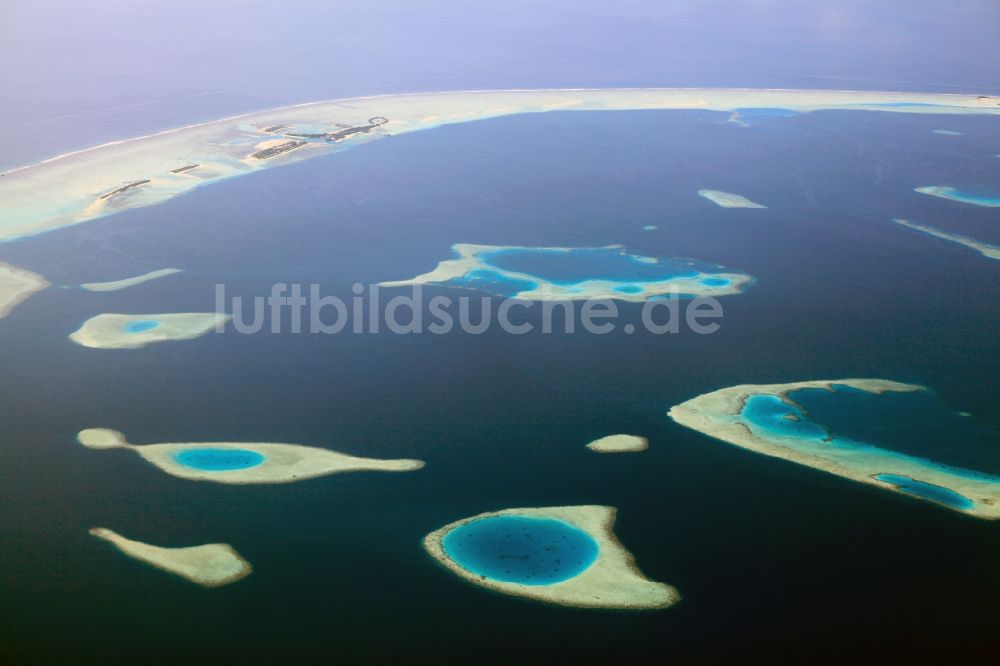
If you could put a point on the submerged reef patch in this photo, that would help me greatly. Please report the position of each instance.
(566, 555)
(16, 285)
(244, 462)
(986, 249)
(121, 331)
(728, 199)
(210, 565)
(767, 419)
(559, 273)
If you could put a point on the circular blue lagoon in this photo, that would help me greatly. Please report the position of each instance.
(521, 549)
(219, 460)
(141, 325)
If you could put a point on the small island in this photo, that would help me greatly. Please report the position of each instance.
(117, 285)
(122, 331)
(960, 195)
(619, 444)
(210, 565)
(566, 556)
(563, 273)
(728, 200)
(766, 419)
(16, 285)
(244, 462)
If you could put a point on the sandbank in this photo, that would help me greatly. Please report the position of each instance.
(279, 463)
(210, 565)
(134, 172)
(619, 444)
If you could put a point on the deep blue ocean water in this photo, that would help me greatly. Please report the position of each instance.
(752, 543)
(219, 460)
(521, 549)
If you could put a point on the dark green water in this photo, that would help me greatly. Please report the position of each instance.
(774, 561)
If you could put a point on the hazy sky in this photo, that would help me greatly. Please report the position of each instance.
(74, 74)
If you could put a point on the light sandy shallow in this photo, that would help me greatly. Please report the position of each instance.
(619, 444)
(468, 261)
(612, 581)
(107, 331)
(118, 285)
(67, 189)
(284, 463)
(16, 285)
(716, 414)
(210, 565)
(728, 199)
(986, 249)
(954, 194)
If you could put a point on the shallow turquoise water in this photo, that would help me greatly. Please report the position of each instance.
(753, 116)
(970, 196)
(569, 267)
(494, 282)
(219, 460)
(521, 549)
(927, 491)
(771, 414)
(509, 271)
(141, 325)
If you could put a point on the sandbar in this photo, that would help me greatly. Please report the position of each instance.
(962, 196)
(986, 249)
(612, 581)
(476, 267)
(16, 285)
(728, 199)
(210, 565)
(123, 331)
(244, 462)
(133, 172)
(619, 444)
(719, 415)
(117, 285)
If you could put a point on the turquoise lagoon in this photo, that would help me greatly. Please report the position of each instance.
(927, 491)
(141, 325)
(521, 549)
(911, 424)
(508, 271)
(752, 116)
(219, 460)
